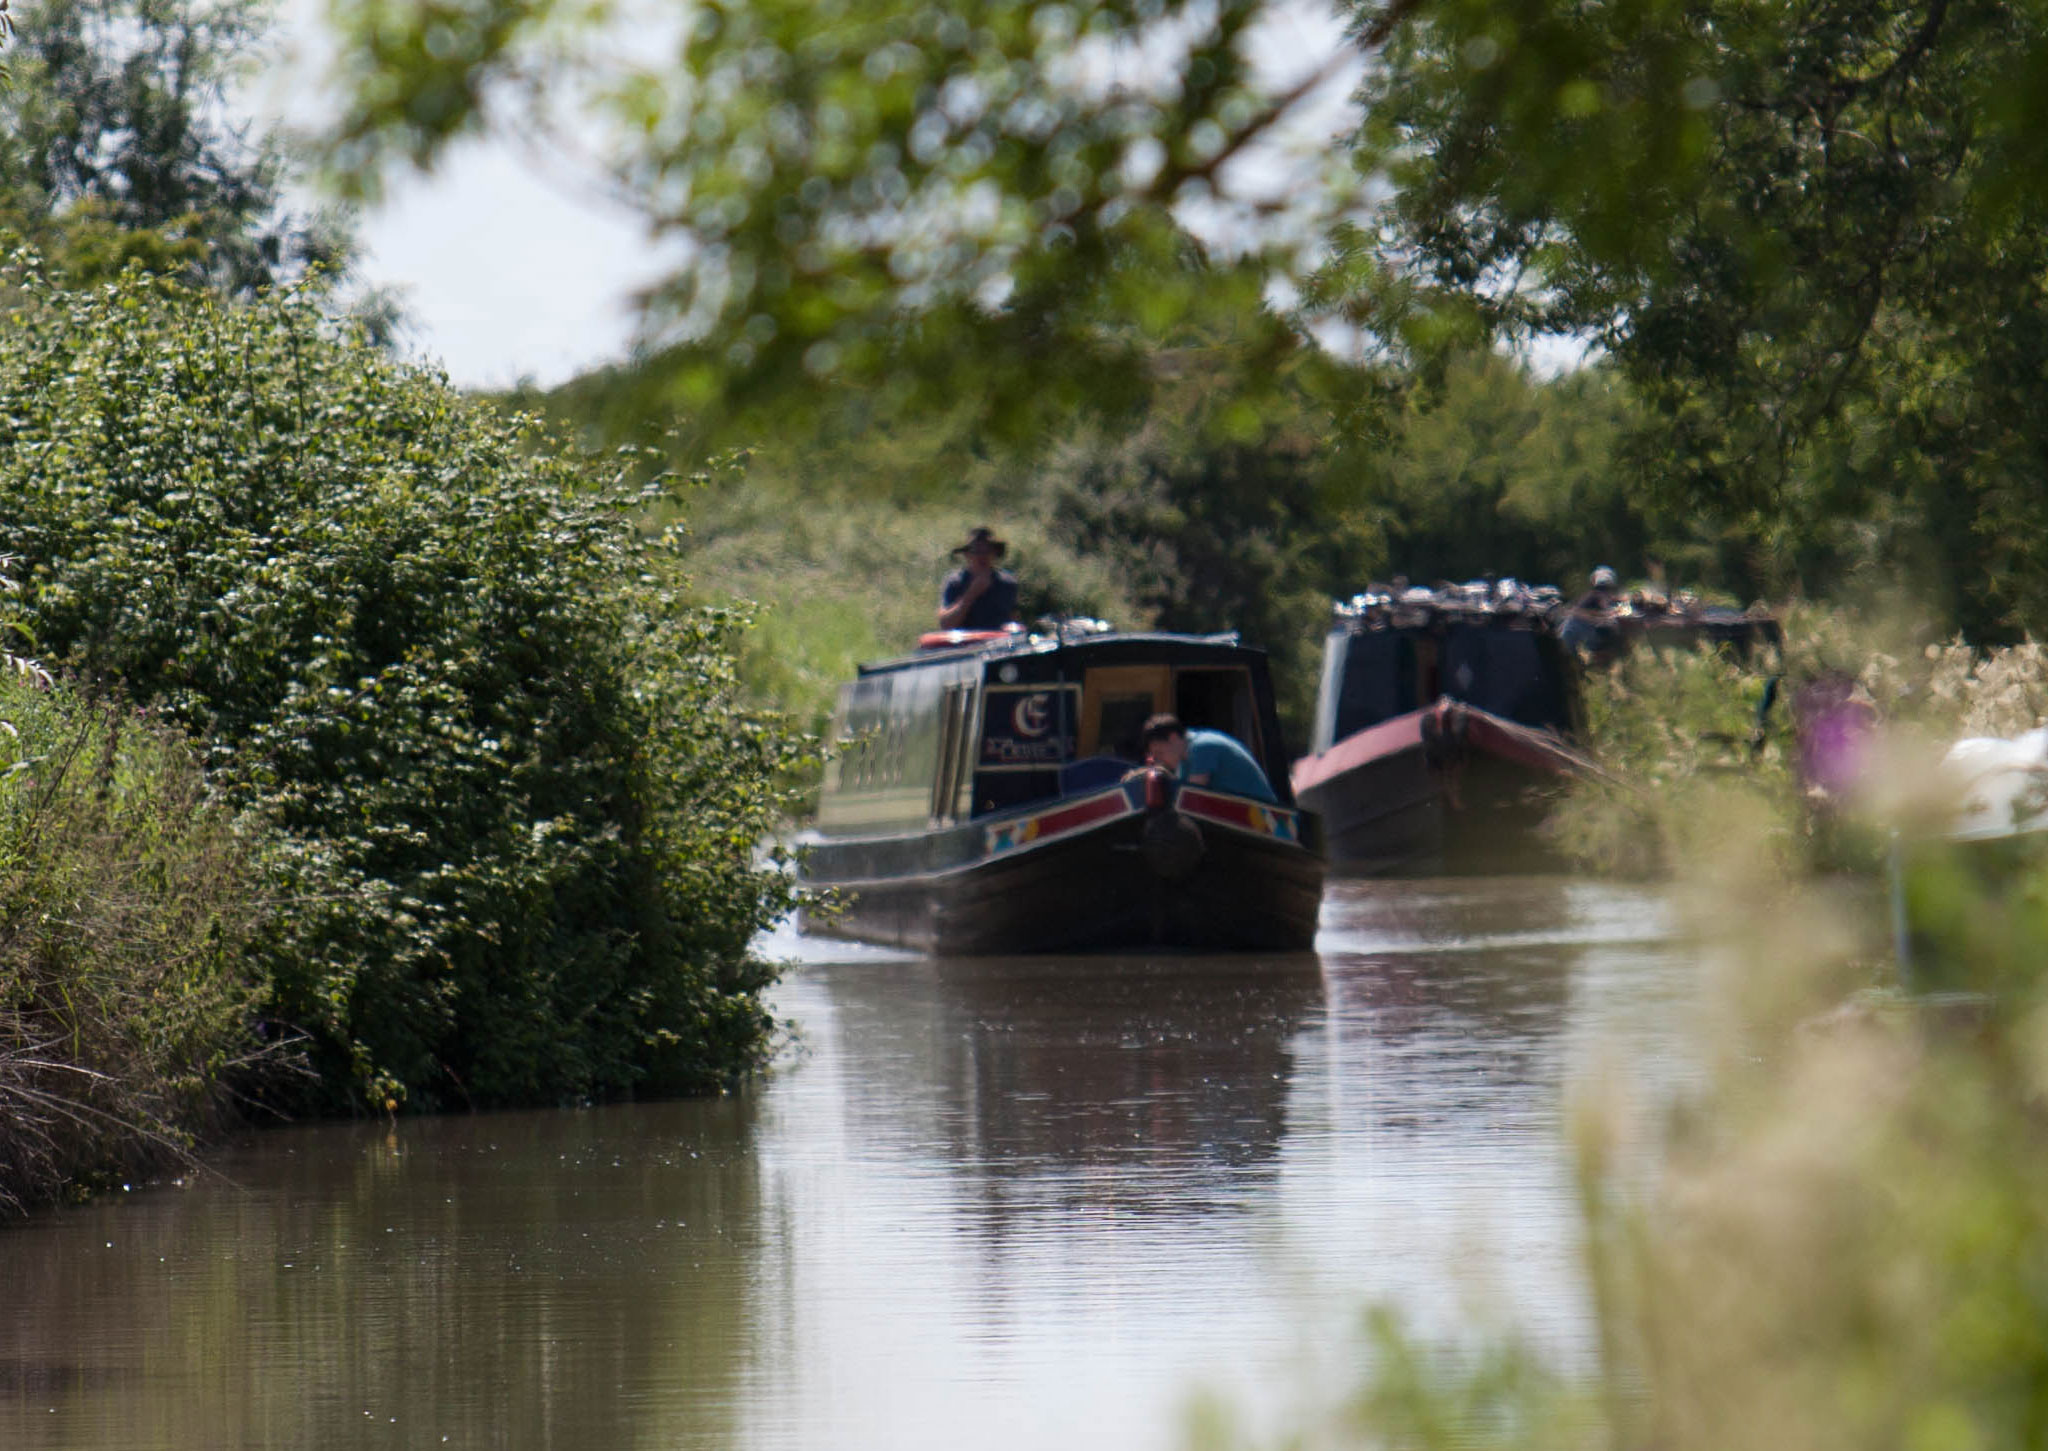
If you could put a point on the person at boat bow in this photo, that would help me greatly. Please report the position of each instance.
(978, 596)
(1205, 758)
(1589, 628)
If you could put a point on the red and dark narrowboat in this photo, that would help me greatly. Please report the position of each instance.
(1445, 719)
(988, 795)
(1442, 719)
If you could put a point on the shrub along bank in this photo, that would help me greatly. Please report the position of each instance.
(507, 798)
(1684, 734)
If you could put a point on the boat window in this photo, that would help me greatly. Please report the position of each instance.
(966, 708)
(1120, 726)
(1518, 674)
(954, 741)
(1379, 681)
(1218, 699)
(943, 767)
(1116, 699)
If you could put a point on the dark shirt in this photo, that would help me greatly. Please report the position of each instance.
(1595, 601)
(996, 607)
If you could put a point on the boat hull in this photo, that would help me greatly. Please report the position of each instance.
(1203, 872)
(1449, 790)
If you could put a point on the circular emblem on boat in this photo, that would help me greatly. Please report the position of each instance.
(1007, 674)
(1033, 715)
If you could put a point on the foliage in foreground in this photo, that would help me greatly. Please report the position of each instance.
(853, 185)
(129, 899)
(1842, 1246)
(517, 798)
(1678, 728)
(1834, 1234)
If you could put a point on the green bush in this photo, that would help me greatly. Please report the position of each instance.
(1670, 726)
(1667, 726)
(128, 899)
(519, 802)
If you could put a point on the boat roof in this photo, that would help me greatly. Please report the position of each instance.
(1063, 639)
(1512, 601)
(1379, 606)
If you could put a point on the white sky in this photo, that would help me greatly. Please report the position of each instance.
(510, 267)
(507, 266)
(507, 273)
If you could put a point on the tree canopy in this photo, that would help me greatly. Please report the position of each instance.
(118, 145)
(911, 199)
(1809, 236)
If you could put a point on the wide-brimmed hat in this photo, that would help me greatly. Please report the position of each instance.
(979, 535)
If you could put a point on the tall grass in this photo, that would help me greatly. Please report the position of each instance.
(1843, 1245)
(128, 897)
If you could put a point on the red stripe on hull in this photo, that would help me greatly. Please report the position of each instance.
(1389, 737)
(1483, 731)
(1081, 813)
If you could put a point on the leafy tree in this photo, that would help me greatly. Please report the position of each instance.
(117, 145)
(519, 803)
(970, 204)
(1490, 469)
(1810, 237)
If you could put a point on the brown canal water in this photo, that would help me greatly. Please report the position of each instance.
(1010, 1204)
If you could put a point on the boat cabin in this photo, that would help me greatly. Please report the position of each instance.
(1390, 653)
(987, 726)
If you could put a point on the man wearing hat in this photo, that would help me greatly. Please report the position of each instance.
(978, 596)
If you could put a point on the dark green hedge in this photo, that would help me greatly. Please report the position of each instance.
(519, 805)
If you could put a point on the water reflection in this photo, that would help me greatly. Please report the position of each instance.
(1015, 1203)
(1144, 1085)
(523, 1279)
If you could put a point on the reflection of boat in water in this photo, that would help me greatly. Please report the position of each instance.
(1445, 717)
(1441, 720)
(1168, 1075)
(986, 798)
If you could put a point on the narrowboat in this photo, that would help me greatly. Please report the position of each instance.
(1445, 719)
(1441, 718)
(988, 794)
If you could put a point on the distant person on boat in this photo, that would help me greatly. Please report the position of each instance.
(1589, 628)
(978, 596)
(1205, 758)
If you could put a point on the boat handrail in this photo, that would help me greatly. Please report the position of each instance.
(961, 639)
